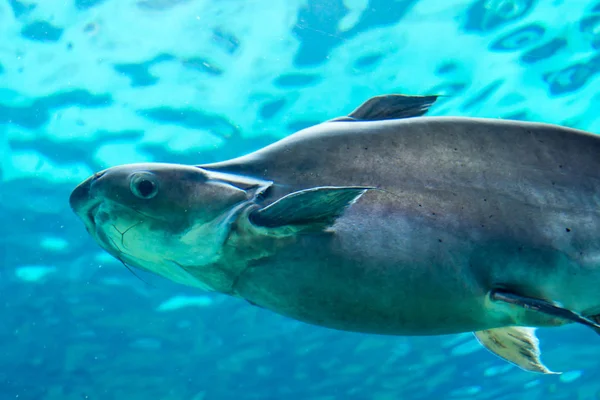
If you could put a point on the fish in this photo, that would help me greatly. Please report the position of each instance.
(385, 221)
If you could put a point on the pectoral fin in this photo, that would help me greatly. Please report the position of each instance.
(517, 345)
(545, 307)
(320, 205)
(393, 106)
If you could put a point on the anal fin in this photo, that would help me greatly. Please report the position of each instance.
(517, 345)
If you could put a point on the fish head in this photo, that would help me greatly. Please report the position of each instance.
(169, 219)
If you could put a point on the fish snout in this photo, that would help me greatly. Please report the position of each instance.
(81, 200)
(80, 195)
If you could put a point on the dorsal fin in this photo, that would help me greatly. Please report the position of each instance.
(392, 106)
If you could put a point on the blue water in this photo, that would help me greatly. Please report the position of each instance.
(88, 84)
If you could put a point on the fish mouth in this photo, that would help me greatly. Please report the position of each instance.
(91, 214)
(83, 204)
(87, 215)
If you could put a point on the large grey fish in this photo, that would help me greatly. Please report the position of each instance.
(384, 221)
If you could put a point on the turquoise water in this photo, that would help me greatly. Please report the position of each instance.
(89, 84)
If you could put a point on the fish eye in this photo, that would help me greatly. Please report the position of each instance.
(143, 185)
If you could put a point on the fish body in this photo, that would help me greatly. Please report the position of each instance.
(384, 221)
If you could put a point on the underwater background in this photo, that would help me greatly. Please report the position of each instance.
(89, 84)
